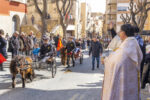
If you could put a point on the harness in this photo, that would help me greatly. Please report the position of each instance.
(23, 63)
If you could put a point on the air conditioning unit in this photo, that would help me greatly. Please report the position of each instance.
(20, 1)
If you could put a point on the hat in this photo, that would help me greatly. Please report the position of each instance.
(45, 37)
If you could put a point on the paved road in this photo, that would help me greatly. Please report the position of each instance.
(80, 84)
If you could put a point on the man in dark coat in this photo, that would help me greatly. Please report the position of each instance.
(14, 44)
(3, 44)
(96, 50)
(146, 70)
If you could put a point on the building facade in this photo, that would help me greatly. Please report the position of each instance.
(12, 15)
(110, 14)
(53, 21)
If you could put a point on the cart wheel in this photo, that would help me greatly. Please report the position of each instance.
(81, 59)
(54, 69)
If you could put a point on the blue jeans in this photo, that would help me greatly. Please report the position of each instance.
(93, 61)
(58, 53)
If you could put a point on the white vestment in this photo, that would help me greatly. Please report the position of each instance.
(122, 67)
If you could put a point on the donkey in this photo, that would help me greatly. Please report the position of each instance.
(23, 66)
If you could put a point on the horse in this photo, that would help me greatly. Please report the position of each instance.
(21, 65)
(63, 52)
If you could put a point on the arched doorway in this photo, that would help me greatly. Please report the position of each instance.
(16, 23)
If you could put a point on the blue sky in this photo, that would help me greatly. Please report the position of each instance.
(96, 5)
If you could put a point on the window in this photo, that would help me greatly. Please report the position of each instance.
(122, 8)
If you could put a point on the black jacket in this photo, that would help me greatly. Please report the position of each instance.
(113, 33)
(78, 44)
(45, 49)
(96, 49)
(70, 46)
(3, 44)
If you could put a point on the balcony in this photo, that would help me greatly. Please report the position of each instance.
(19, 1)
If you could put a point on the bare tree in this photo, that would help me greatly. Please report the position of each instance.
(138, 13)
(43, 14)
(64, 8)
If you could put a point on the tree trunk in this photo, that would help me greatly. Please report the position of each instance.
(44, 26)
(64, 31)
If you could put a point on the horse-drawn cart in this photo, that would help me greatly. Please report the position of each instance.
(48, 63)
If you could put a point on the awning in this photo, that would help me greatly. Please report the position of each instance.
(70, 28)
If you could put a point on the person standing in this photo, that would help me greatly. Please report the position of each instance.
(142, 46)
(32, 20)
(14, 45)
(88, 43)
(7, 37)
(96, 50)
(56, 39)
(122, 69)
(3, 44)
(30, 43)
(112, 30)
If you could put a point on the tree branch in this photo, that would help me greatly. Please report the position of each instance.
(37, 7)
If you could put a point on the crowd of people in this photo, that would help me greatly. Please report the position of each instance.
(29, 45)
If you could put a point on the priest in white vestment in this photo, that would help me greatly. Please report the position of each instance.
(122, 68)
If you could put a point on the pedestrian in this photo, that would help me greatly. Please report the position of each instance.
(142, 46)
(51, 40)
(3, 44)
(56, 39)
(83, 44)
(30, 43)
(32, 20)
(34, 40)
(64, 42)
(14, 44)
(36, 52)
(122, 69)
(88, 43)
(59, 46)
(22, 43)
(96, 50)
(7, 37)
(70, 46)
(112, 30)
(146, 69)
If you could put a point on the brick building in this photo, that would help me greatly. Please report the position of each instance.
(12, 15)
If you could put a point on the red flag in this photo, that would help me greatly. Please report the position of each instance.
(60, 45)
(2, 59)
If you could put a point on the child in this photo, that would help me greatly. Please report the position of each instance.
(35, 52)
